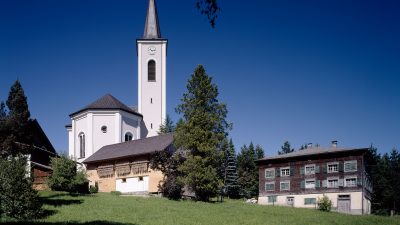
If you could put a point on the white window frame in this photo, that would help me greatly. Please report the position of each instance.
(305, 183)
(330, 164)
(272, 197)
(267, 183)
(282, 182)
(315, 201)
(350, 161)
(345, 181)
(332, 178)
(305, 169)
(285, 168)
(269, 170)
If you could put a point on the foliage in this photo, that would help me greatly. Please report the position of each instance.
(247, 171)
(93, 189)
(114, 210)
(17, 198)
(168, 162)
(232, 187)
(65, 176)
(286, 148)
(385, 175)
(167, 126)
(324, 204)
(210, 9)
(201, 133)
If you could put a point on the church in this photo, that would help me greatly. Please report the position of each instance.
(113, 141)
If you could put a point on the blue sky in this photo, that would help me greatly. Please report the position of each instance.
(303, 71)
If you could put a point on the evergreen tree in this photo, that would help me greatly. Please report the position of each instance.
(232, 187)
(259, 152)
(167, 126)
(3, 112)
(286, 148)
(247, 171)
(201, 133)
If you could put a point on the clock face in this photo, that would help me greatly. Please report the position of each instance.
(152, 50)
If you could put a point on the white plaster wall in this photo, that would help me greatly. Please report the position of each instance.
(70, 142)
(130, 124)
(79, 125)
(355, 197)
(153, 111)
(101, 139)
(132, 184)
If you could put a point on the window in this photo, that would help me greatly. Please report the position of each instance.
(271, 199)
(151, 67)
(350, 182)
(310, 184)
(140, 178)
(309, 169)
(290, 200)
(350, 166)
(151, 100)
(333, 167)
(104, 129)
(285, 185)
(285, 172)
(270, 173)
(333, 182)
(151, 125)
(81, 145)
(270, 186)
(310, 201)
(123, 180)
(128, 136)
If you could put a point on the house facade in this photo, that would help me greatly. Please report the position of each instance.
(300, 178)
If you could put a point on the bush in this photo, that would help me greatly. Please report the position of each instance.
(324, 204)
(66, 177)
(17, 198)
(93, 189)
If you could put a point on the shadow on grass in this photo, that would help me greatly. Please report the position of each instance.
(96, 222)
(60, 202)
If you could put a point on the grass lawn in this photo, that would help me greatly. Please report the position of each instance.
(108, 209)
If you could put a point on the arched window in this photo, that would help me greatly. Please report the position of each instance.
(81, 145)
(128, 136)
(151, 69)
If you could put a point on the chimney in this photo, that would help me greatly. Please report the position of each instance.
(334, 144)
(309, 145)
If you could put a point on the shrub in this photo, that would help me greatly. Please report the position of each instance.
(324, 204)
(66, 177)
(17, 198)
(93, 189)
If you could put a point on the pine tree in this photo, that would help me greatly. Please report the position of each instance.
(3, 112)
(201, 133)
(286, 148)
(247, 171)
(167, 126)
(232, 187)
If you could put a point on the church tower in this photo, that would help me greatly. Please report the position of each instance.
(152, 52)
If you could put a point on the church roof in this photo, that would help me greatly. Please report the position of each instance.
(152, 26)
(105, 103)
(131, 148)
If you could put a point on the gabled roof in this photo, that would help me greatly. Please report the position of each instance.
(131, 148)
(107, 102)
(313, 151)
(151, 26)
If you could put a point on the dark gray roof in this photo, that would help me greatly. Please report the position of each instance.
(107, 102)
(132, 148)
(151, 26)
(312, 151)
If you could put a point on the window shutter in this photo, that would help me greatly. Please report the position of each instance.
(340, 167)
(341, 183)
(324, 169)
(317, 183)
(359, 182)
(291, 171)
(302, 170)
(316, 169)
(324, 183)
(278, 172)
(303, 184)
(347, 167)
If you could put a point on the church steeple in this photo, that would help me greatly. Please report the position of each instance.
(152, 27)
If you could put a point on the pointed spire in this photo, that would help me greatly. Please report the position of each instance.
(151, 27)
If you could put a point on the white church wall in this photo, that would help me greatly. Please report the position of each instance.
(79, 126)
(101, 138)
(70, 142)
(130, 124)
